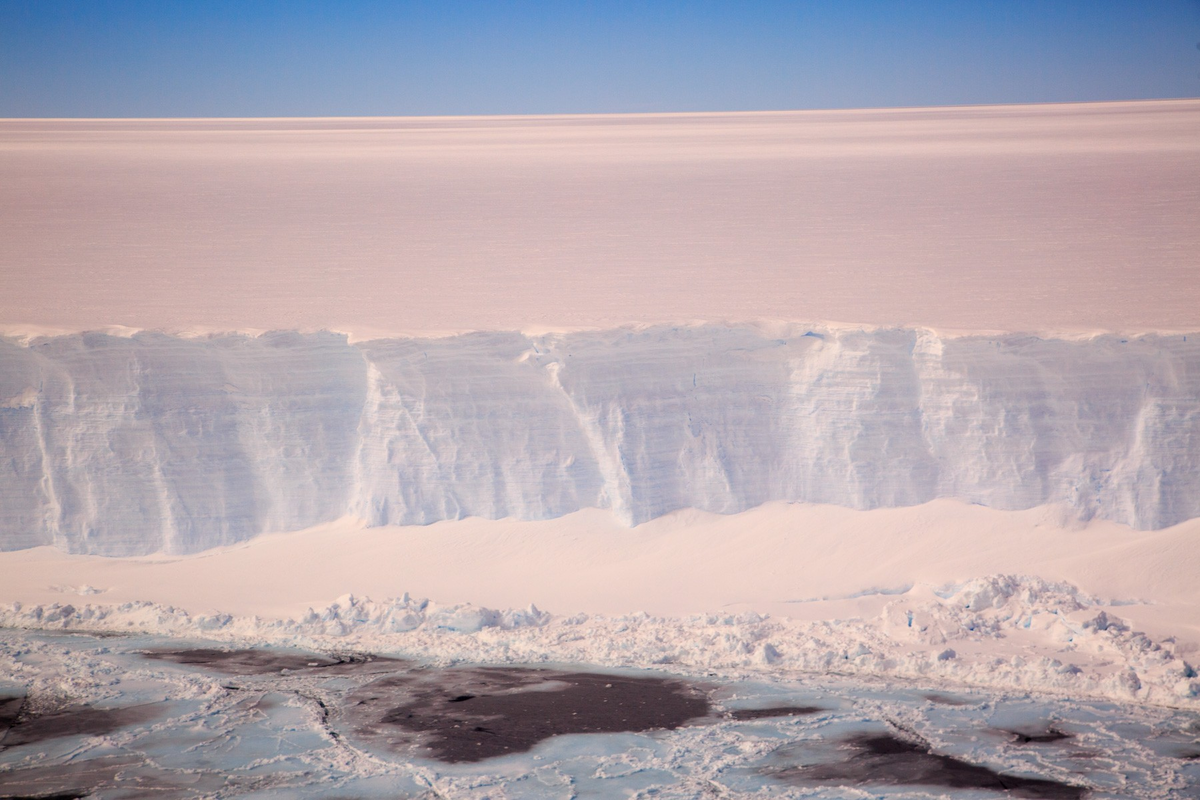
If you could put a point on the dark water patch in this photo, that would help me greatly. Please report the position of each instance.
(1047, 736)
(10, 711)
(73, 721)
(265, 662)
(882, 759)
(743, 714)
(125, 776)
(947, 699)
(468, 715)
(99, 634)
(71, 780)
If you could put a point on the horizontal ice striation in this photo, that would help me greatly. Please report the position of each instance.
(121, 446)
(129, 445)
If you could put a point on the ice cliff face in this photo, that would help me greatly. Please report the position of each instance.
(121, 446)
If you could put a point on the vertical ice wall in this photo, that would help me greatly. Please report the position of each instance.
(131, 445)
(466, 426)
(1110, 426)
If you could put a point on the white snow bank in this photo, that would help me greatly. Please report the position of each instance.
(1003, 632)
(776, 589)
(802, 561)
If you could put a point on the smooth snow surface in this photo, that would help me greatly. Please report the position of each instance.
(802, 561)
(1027, 218)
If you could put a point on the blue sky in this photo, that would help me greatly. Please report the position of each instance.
(298, 58)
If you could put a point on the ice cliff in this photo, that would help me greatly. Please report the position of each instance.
(129, 445)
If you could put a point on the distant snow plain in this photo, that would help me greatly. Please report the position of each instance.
(1057, 220)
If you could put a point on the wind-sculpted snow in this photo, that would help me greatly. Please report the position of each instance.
(128, 445)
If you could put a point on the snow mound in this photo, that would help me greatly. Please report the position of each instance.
(1005, 632)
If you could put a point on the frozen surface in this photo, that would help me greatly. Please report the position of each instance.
(131, 445)
(1027, 218)
(799, 562)
(1007, 632)
(925, 512)
(243, 727)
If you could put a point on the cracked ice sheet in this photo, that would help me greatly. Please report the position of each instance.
(285, 734)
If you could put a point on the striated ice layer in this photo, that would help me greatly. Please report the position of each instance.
(129, 445)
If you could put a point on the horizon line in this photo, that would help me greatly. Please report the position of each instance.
(587, 114)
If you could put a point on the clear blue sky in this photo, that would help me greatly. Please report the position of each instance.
(296, 58)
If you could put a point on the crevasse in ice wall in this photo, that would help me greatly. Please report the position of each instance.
(128, 445)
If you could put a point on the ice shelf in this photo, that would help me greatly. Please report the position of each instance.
(124, 445)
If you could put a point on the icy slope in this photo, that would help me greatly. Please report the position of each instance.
(129, 445)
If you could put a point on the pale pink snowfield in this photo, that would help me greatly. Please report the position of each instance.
(794, 560)
(829, 577)
(1032, 218)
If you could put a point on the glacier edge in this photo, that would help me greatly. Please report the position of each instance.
(127, 445)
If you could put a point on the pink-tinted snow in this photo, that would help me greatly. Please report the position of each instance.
(1056, 217)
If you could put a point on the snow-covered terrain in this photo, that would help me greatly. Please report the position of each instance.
(1001, 632)
(132, 445)
(549, 374)
(1020, 218)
